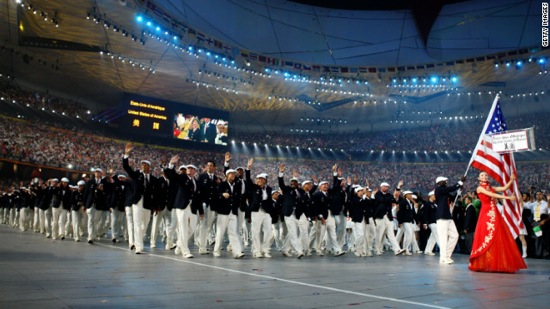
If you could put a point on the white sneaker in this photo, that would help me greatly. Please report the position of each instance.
(339, 253)
(400, 251)
(287, 254)
(238, 256)
(429, 253)
(267, 255)
(258, 255)
(408, 253)
(215, 254)
(188, 256)
(177, 251)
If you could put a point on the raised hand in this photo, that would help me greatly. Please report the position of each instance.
(128, 148)
(334, 168)
(400, 184)
(227, 156)
(295, 173)
(174, 159)
(250, 162)
(281, 168)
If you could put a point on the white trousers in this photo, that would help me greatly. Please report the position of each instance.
(130, 225)
(261, 224)
(328, 230)
(171, 229)
(36, 220)
(206, 227)
(103, 223)
(433, 238)
(163, 217)
(227, 223)
(385, 227)
(314, 237)
(297, 233)
(186, 223)
(59, 220)
(93, 220)
(117, 223)
(24, 219)
(407, 228)
(279, 235)
(45, 217)
(448, 237)
(76, 218)
(341, 222)
(142, 217)
(244, 228)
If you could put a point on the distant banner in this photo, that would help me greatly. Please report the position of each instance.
(514, 141)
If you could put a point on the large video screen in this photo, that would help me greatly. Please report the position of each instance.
(177, 121)
(201, 129)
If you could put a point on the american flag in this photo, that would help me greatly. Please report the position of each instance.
(499, 166)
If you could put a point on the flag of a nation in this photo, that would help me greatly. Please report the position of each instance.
(499, 166)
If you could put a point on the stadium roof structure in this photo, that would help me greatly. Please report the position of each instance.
(274, 63)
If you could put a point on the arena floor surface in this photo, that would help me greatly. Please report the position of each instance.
(36, 272)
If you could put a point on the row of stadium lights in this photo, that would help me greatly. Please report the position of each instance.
(125, 60)
(50, 18)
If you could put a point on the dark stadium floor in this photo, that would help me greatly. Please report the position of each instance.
(36, 272)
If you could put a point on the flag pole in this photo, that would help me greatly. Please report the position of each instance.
(485, 127)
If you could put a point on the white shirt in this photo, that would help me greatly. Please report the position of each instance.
(543, 210)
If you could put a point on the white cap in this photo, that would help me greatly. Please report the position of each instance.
(293, 179)
(262, 175)
(220, 123)
(191, 166)
(441, 178)
(384, 184)
(407, 192)
(23, 188)
(182, 167)
(239, 168)
(146, 162)
(431, 193)
(323, 182)
(81, 183)
(414, 196)
(55, 179)
(121, 176)
(305, 182)
(97, 169)
(64, 179)
(359, 189)
(230, 171)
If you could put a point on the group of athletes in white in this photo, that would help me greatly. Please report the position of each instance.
(190, 207)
